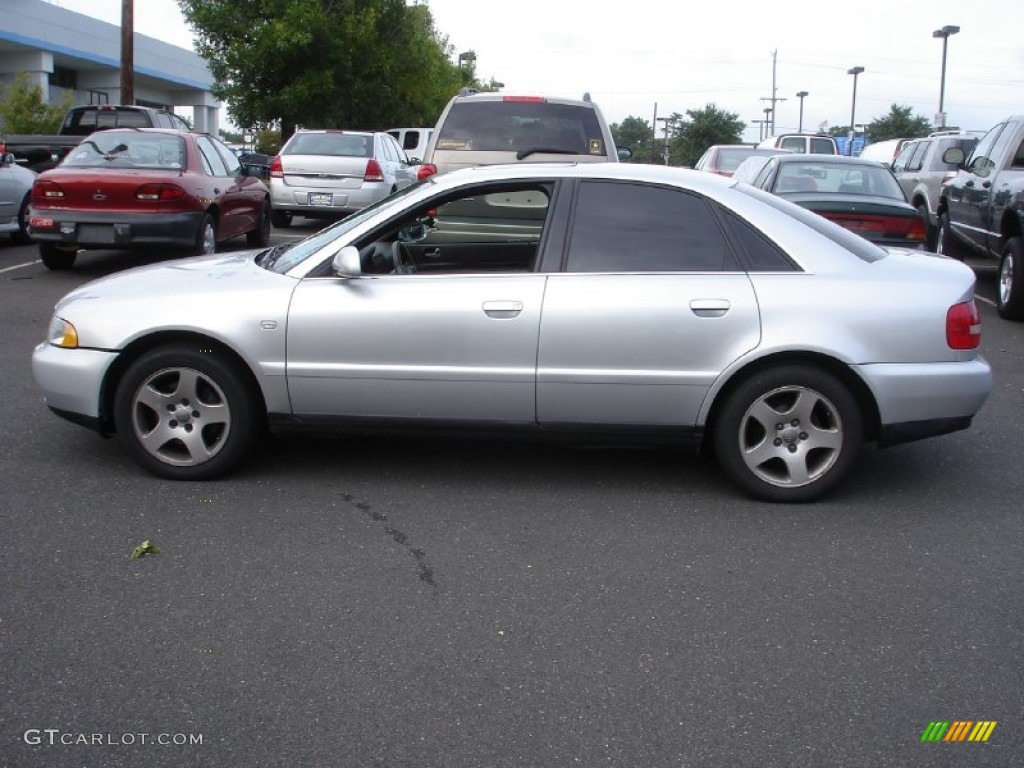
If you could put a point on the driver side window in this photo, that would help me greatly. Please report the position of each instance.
(493, 229)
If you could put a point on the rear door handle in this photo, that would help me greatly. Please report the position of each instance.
(709, 307)
(502, 310)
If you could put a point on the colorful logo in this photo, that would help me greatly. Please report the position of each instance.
(958, 730)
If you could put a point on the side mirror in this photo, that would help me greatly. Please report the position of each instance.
(346, 262)
(954, 156)
(624, 153)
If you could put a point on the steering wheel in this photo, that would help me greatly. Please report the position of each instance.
(402, 260)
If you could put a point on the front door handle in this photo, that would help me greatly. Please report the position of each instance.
(502, 310)
(709, 307)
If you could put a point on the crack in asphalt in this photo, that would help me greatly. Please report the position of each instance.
(426, 573)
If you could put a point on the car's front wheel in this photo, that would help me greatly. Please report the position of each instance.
(22, 236)
(186, 412)
(260, 237)
(946, 242)
(1010, 296)
(57, 258)
(789, 433)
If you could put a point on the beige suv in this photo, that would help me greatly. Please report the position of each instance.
(493, 128)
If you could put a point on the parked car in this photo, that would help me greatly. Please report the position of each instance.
(413, 140)
(981, 209)
(921, 172)
(15, 193)
(330, 173)
(883, 151)
(724, 159)
(143, 187)
(493, 128)
(258, 163)
(802, 143)
(581, 299)
(860, 195)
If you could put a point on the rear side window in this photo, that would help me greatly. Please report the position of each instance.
(621, 227)
(334, 144)
(761, 255)
(512, 126)
(795, 143)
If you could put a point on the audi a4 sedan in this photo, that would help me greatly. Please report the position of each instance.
(591, 300)
(143, 187)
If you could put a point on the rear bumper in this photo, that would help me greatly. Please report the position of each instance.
(102, 229)
(295, 200)
(926, 399)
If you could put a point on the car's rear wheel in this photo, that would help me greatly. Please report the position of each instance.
(946, 242)
(57, 258)
(1010, 293)
(186, 412)
(260, 237)
(206, 237)
(788, 434)
(22, 236)
(929, 228)
(281, 219)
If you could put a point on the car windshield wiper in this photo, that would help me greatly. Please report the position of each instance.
(269, 257)
(543, 151)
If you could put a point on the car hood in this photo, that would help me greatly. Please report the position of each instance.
(221, 295)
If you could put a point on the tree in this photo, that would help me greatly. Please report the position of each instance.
(637, 134)
(898, 124)
(704, 127)
(324, 63)
(24, 110)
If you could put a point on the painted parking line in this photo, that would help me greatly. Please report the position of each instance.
(19, 266)
(987, 301)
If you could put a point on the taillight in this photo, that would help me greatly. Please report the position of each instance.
(47, 190)
(159, 192)
(425, 170)
(909, 228)
(276, 169)
(963, 326)
(373, 171)
(530, 99)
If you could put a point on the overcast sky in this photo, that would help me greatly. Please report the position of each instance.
(684, 55)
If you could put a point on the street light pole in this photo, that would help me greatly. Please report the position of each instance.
(944, 33)
(853, 106)
(800, 95)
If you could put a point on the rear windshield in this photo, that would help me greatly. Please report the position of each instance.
(128, 149)
(333, 144)
(513, 126)
(729, 158)
(822, 147)
(840, 178)
(82, 122)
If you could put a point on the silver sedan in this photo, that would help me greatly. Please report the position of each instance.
(602, 300)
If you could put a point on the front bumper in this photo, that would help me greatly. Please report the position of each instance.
(101, 229)
(926, 399)
(72, 380)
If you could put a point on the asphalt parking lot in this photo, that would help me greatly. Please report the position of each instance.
(420, 602)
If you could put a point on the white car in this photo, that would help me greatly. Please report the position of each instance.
(329, 174)
(591, 300)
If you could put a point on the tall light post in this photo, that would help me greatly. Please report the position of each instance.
(800, 95)
(944, 33)
(853, 106)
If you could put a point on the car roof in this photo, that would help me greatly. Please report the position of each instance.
(502, 96)
(830, 159)
(696, 180)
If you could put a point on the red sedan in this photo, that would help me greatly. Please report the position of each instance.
(142, 187)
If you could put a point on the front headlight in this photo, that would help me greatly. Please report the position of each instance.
(62, 333)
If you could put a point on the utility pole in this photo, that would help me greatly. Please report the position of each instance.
(127, 52)
(773, 98)
(666, 121)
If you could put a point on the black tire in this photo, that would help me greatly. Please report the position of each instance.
(186, 412)
(206, 237)
(281, 219)
(783, 461)
(260, 237)
(22, 236)
(55, 258)
(946, 242)
(929, 228)
(1010, 285)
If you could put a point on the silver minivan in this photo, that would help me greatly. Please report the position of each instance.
(497, 128)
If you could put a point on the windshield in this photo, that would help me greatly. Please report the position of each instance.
(282, 259)
(129, 149)
(838, 178)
